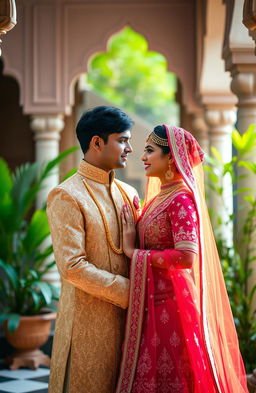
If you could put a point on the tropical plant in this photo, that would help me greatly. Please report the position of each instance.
(131, 76)
(237, 260)
(24, 249)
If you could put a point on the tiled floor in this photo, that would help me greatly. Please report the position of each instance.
(24, 380)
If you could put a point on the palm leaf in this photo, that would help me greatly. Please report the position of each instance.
(55, 162)
(37, 231)
(13, 322)
(10, 273)
(36, 299)
(45, 290)
(70, 173)
(5, 178)
(46, 268)
(23, 178)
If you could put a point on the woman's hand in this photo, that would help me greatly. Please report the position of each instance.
(129, 231)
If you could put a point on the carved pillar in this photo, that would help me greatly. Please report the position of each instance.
(244, 86)
(238, 53)
(47, 131)
(220, 122)
(7, 17)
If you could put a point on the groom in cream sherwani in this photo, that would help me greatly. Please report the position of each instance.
(84, 217)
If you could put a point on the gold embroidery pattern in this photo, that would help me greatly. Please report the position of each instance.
(94, 173)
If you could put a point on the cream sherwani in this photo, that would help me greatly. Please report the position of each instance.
(95, 288)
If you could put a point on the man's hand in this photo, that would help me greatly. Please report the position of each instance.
(129, 231)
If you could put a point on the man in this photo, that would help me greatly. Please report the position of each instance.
(84, 216)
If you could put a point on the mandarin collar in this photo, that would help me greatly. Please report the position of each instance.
(96, 174)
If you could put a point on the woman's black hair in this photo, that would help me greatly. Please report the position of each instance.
(101, 121)
(161, 132)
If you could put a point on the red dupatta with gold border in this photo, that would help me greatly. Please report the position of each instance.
(217, 335)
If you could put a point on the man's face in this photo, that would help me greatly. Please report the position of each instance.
(114, 152)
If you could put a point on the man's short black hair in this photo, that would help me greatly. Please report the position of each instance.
(101, 121)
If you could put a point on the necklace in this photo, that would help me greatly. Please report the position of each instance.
(162, 196)
(127, 200)
(116, 250)
(168, 188)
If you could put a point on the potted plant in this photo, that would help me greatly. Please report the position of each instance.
(25, 257)
(237, 262)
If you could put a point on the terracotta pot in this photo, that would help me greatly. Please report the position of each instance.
(32, 332)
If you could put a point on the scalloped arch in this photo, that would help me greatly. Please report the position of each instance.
(13, 73)
(101, 45)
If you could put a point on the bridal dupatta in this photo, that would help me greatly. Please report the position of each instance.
(206, 317)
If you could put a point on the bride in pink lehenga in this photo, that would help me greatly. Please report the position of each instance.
(180, 336)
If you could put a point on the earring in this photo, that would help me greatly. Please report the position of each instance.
(169, 174)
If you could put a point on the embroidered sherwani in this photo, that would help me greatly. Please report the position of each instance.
(94, 283)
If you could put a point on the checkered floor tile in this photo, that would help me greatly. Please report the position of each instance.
(24, 380)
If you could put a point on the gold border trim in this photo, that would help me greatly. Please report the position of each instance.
(130, 332)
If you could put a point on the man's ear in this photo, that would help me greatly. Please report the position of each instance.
(96, 143)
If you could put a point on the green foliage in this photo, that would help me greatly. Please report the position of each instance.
(237, 261)
(131, 76)
(24, 253)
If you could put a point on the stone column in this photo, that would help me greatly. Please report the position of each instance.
(220, 123)
(47, 129)
(244, 86)
(238, 53)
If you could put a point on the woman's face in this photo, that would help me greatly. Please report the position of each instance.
(156, 163)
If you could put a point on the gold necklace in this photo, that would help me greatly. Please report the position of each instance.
(109, 238)
(162, 196)
(127, 200)
(168, 189)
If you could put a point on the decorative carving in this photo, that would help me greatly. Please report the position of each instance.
(7, 17)
(243, 85)
(47, 127)
(219, 119)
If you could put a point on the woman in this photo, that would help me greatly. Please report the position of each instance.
(180, 335)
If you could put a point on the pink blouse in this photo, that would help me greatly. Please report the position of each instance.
(174, 227)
